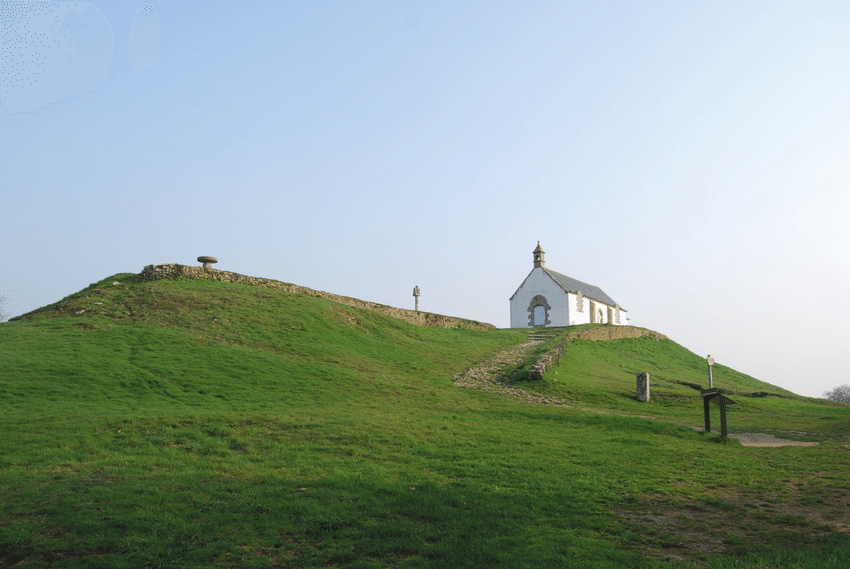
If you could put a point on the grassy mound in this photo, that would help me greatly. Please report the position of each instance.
(197, 423)
(601, 375)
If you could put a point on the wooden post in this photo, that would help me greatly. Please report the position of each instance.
(710, 378)
(723, 432)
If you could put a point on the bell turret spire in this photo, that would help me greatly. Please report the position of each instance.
(538, 256)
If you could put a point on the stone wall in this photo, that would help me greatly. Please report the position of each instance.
(614, 333)
(428, 319)
(549, 359)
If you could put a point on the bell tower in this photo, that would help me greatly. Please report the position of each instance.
(538, 256)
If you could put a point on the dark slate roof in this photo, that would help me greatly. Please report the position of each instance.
(587, 291)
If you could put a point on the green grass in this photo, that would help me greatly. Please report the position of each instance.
(196, 424)
(601, 375)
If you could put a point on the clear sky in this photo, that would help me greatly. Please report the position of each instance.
(689, 158)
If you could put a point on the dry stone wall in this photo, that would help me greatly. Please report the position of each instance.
(549, 359)
(614, 333)
(183, 272)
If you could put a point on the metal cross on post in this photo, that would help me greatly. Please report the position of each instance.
(416, 295)
(710, 378)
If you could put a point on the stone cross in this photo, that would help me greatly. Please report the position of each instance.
(416, 295)
(710, 378)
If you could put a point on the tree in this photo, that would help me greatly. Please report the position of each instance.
(5, 308)
(840, 394)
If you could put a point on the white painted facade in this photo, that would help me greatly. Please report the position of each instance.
(547, 298)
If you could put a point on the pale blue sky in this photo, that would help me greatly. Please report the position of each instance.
(691, 159)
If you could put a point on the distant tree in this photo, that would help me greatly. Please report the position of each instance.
(840, 394)
(3, 316)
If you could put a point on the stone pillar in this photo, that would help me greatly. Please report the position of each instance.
(643, 386)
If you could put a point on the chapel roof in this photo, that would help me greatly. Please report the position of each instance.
(587, 290)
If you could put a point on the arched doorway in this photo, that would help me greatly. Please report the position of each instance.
(538, 312)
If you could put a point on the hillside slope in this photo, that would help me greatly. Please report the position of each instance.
(602, 375)
(202, 344)
(196, 423)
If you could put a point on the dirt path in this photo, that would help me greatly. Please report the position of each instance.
(489, 375)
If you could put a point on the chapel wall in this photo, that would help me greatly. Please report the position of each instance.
(583, 317)
(577, 317)
(624, 318)
(539, 283)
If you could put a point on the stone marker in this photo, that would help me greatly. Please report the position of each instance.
(207, 261)
(416, 295)
(642, 386)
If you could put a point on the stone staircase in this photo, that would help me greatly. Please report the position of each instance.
(496, 372)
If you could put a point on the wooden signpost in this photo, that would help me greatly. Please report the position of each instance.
(714, 396)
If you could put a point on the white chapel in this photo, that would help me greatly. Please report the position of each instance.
(547, 298)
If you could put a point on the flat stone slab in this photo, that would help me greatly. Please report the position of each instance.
(769, 441)
(207, 261)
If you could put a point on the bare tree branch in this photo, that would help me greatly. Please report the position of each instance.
(840, 394)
